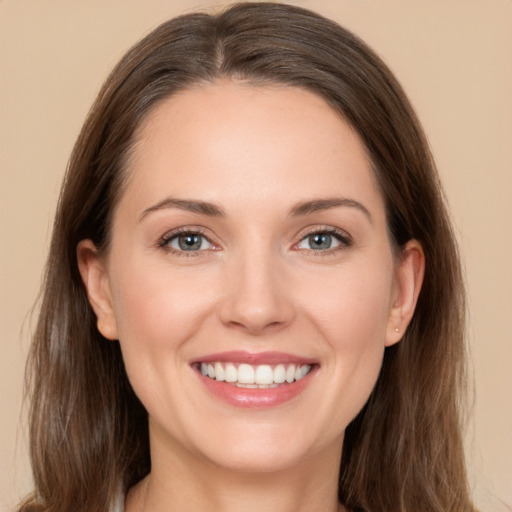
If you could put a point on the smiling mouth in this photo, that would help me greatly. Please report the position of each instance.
(262, 376)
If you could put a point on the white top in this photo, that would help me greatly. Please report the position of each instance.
(118, 504)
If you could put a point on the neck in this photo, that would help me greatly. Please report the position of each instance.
(180, 483)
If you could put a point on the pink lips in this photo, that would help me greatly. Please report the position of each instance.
(255, 398)
(238, 356)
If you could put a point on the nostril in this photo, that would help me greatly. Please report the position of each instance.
(256, 326)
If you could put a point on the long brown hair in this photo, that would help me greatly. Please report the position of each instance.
(89, 433)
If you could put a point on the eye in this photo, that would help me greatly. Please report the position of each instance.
(324, 240)
(186, 241)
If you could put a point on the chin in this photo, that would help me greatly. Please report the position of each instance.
(266, 448)
(259, 458)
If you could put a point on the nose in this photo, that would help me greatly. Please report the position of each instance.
(257, 297)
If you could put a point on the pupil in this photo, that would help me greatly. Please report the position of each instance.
(189, 242)
(320, 241)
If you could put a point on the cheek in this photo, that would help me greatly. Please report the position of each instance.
(351, 316)
(353, 304)
(157, 311)
(154, 298)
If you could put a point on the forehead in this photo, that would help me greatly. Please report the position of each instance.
(230, 140)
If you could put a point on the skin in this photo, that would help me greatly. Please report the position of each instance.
(256, 284)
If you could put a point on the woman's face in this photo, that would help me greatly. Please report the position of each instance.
(250, 244)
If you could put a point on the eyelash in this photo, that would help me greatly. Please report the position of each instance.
(169, 237)
(341, 236)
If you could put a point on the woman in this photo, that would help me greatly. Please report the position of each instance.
(253, 298)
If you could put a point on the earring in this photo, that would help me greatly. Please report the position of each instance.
(397, 329)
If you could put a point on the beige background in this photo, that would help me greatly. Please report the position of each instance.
(453, 57)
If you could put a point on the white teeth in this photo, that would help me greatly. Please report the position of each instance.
(264, 374)
(290, 373)
(279, 374)
(219, 372)
(231, 373)
(245, 374)
(302, 371)
(258, 376)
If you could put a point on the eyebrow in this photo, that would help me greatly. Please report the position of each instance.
(317, 205)
(212, 210)
(201, 207)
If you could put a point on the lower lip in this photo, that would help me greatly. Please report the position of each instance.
(256, 398)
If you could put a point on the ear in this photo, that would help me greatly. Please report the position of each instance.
(95, 278)
(408, 280)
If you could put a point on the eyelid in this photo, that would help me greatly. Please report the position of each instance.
(185, 230)
(342, 236)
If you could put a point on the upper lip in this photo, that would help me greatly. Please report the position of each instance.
(241, 356)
